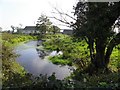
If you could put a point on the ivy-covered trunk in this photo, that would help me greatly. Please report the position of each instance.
(101, 58)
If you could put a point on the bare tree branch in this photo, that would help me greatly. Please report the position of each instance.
(63, 17)
(65, 14)
(62, 13)
(65, 22)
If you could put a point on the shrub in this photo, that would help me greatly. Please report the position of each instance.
(59, 60)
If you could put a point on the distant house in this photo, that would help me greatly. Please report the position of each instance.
(67, 31)
(33, 30)
(28, 30)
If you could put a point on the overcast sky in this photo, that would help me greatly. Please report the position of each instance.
(26, 12)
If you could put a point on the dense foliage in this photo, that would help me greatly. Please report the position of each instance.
(12, 73)
(95, 23)
(16, 38)
(77, 53)
(72, 50)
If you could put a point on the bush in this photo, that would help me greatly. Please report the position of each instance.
(59, 60)
(72, 50)
(16, 38)
(106, 80)
(12, 73)
(9, 66)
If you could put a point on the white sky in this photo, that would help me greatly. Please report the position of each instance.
(26, 12)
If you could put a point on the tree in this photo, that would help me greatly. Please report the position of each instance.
(94, 23)
(13, 28)
(43, 25)
(55, 29)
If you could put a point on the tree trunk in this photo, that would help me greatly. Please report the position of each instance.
(115, 41)
(99, 60)
(91, 47)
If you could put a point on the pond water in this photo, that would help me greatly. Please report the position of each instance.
(30, 60)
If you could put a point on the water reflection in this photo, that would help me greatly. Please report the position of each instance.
(41, 53)
(30, 58)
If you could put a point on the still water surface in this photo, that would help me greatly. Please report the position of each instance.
(33, 64)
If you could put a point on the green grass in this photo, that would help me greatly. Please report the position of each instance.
(12, 71)
(58, 60)
(72, 50)
(15, 39)
(114, 59)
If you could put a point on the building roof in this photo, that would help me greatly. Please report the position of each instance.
(19, 29)
(68, 31)
(30, 28)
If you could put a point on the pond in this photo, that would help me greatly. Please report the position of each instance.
(30, 60)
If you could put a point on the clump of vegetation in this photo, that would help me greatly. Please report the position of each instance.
(74, 51)
(10, 68)
(99, 80)
(13, 74)
(58, 60)
(12, 39)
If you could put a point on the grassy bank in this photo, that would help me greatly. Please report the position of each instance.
(74, 51)
(12, 74)
(14, 39)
